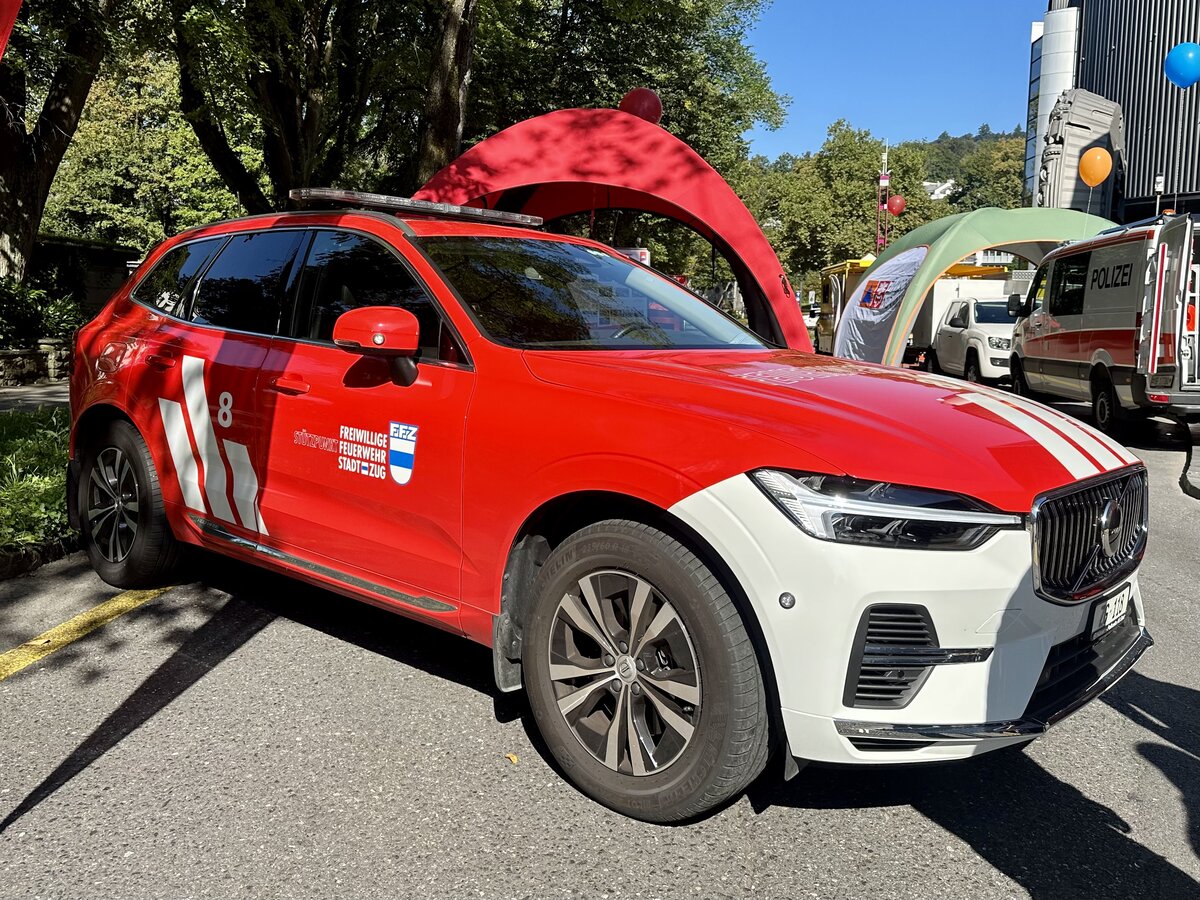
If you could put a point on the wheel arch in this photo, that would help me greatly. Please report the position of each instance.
(94, 418)
(557, 519)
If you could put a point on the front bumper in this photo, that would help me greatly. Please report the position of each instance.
(1025, 727)
(978, 601)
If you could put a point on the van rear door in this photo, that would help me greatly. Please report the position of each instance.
(1162, 324)
(1189, 339)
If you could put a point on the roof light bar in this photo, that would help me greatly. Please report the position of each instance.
(411, 207)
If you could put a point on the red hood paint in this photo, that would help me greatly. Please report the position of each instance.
(868, 421)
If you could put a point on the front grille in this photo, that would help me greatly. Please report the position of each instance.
(1075, 665)
(1070, 562)
(887, 686)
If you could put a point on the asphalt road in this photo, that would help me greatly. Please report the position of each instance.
(250, 737)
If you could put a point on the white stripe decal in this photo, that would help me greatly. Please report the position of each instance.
(1092, 442)
(245, 486)
(215, 483)
(181, 454)
(1156, 323)
(1066, 453)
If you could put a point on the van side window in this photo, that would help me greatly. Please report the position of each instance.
(1069, 283)
(1037, 292)
(243, 288)
(170, 283)
(345, 271)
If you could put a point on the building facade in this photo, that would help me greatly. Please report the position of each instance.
(1115, 48)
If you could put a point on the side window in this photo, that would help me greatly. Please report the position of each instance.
(346, 271)
(170, 283)
(1069, 283)
(244, 287)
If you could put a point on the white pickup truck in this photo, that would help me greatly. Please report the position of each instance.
(973, 340)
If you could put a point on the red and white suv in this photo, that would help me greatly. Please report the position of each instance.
(691, 548)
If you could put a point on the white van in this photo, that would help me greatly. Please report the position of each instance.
(1112, 320)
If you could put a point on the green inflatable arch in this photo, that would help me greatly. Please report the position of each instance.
(879, 332)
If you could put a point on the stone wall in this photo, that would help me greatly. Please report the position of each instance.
(48, 361)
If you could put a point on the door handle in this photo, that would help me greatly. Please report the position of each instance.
(285, 385)
(160, 361)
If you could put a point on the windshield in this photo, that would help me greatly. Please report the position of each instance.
(993, 314)
(553, 295)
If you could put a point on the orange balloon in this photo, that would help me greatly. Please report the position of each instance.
(1095, 166)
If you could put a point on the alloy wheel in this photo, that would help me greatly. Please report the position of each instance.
(625, 672)
(112, 508)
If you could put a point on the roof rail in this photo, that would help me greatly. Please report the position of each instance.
(408, 206)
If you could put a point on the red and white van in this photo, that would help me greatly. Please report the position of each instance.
(1112, 320)
(690, 548)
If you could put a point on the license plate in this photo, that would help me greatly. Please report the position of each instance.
(1111, 611)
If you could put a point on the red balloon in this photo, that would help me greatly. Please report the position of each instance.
(643, 103)
(896, 204)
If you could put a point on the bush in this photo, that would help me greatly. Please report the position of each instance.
(27, 314)
(33, 476)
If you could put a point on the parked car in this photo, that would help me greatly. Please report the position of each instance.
(973, 340)
(691, 549)
(1112, 320)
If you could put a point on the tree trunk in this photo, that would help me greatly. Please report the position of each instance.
(30, 159)
(446, 96)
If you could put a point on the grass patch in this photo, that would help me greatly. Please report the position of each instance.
(33, 476)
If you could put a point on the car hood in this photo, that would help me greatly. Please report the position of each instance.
(868, 421)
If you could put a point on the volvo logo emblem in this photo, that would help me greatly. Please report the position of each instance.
(1110, 528)
(625, 669)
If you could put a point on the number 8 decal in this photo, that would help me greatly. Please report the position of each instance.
(225, 409)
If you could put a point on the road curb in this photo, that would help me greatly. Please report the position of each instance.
(22, 560)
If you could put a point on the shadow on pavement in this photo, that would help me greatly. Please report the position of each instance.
(1170, 712)
(229, 628)
(1041, 832)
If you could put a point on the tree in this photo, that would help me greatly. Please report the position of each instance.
(446, 92)
(134, 172)
(54, 54)
(318, 85)
(991, 175)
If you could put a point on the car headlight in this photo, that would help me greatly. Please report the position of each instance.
(850, 511)
(999, 343)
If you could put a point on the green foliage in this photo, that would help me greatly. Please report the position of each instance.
(28, 313)
(33, 472)
(945, 153)
(991, 175)
(135, 173)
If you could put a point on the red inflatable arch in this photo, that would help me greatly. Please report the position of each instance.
(575, 160)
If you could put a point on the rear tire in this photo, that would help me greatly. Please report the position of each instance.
(122, 518)
(629, 630)
(1106, 408)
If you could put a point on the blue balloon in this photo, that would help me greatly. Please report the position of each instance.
(1182, 65)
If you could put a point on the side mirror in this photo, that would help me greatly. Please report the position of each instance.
(957, 322)
(384, 331)
(1016, 306)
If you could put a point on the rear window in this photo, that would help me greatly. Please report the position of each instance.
(546, 294)
(170, 282)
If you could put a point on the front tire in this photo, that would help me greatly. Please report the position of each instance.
(971, 371)
(1020, 386)
(122, 519)
(641, 675)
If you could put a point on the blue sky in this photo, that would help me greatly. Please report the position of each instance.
(903, 70)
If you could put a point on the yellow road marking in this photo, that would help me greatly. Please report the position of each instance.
(73, 629)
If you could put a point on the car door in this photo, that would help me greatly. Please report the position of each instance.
(200, 366)
(363, 477)
(1063, 372)
(1033, 330)
(951, 338)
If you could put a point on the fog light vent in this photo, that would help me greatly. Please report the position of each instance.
(873, 679)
